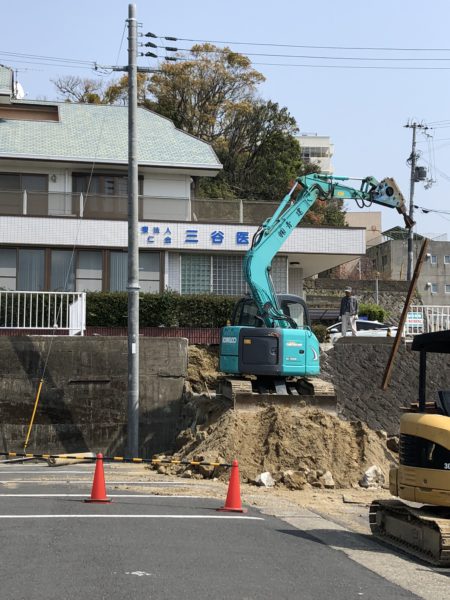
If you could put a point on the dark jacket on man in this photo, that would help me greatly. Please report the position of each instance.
(349, 304)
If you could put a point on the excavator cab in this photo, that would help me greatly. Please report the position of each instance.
(423, 473)
(245, 312)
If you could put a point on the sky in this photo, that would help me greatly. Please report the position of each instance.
(358, 95)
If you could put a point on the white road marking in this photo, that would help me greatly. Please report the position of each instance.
(49, 471)
(85, 496)
(150, 483)
(217, 517)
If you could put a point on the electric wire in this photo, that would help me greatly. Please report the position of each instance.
(278, 45)
(308, 56)
(313, 66)
(70, 266)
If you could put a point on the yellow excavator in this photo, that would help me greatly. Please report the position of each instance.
(419, 522)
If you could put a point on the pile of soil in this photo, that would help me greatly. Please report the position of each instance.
(355, 366)
(279, 440)
(203, 364)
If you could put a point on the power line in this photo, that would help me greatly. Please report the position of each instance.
(57, 58)
(277, 45)
(370, 67)
(44, 64)
(308, 56)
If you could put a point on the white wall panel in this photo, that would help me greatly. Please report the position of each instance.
(171, 236)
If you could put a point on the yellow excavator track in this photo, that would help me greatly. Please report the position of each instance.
(424, 532)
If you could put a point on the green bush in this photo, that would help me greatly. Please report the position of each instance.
(320, 331)
(109, 309)
(373, 312)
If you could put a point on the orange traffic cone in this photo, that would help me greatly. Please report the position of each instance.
(98, 492)
(233, 501)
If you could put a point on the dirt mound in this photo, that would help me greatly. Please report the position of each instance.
(203, 364)
(279, 440)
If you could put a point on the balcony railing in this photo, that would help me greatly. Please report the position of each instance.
(115, 208)
(43, 311)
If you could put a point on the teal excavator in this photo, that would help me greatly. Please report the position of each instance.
(269, 351)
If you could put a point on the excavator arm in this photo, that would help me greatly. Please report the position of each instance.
(272, 234)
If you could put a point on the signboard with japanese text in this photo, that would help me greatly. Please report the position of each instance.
(195, 235)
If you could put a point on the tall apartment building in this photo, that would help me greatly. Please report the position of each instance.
(317, 149)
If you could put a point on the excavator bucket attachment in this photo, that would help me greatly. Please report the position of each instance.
(296, 394)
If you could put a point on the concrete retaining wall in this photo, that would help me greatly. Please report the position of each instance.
(356, 367)
(83, 404)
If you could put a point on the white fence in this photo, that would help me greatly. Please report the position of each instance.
(47, 311)
(425, 319)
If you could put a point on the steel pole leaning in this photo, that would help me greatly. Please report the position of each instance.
(133, 248)
(36, 402)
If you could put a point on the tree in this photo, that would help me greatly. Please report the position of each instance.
(76, 89)
(90, 91)
(199, 95)
(212, 95)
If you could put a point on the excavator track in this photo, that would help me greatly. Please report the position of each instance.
(424, 532)
(248, 394)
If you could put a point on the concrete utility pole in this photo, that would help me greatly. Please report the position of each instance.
(414, 177)
(133, 286)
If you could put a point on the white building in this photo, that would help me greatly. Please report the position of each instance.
(317, 149)
(63, 207)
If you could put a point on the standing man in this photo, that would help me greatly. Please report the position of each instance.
(348, 312)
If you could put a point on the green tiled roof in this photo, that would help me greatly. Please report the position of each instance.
(5, 80)
(89, 132)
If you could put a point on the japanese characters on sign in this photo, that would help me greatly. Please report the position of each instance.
(162, 236)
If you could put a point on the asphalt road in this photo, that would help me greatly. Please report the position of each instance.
(148, 547)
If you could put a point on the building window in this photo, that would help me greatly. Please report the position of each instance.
(383, 261)
(279, 274)
(31, 268)
(447, 288)
(228, 278)
(62, 271)
(433, 259)
(8, 268)
(195, 274)
(106, 196)
(222, 274)
(447, 259)
(118, 271)
(315, 152)
(149, 272)
(434, 288)
(12, 186)
(89, 271)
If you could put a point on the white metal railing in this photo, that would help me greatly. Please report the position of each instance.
(425, 319)
(48, 311)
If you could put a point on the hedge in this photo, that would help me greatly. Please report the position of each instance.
(373, 312)
(109, 309)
